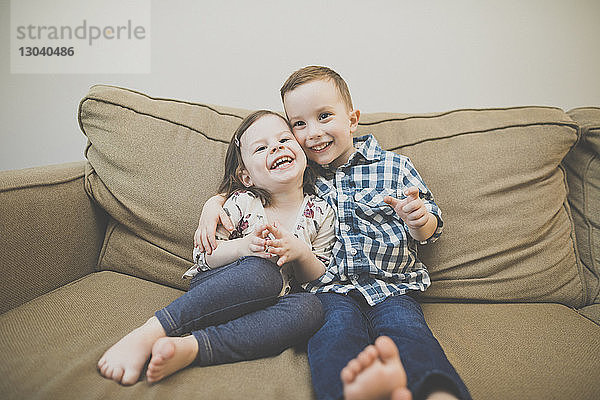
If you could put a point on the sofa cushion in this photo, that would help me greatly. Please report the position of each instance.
(519, 351)
(583, 173)
(152, 165)
(495, 174)
(51, 345)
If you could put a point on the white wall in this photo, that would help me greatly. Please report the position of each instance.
(402, 56)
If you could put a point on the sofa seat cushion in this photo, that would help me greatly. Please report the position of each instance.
(519, 351)
(51, 345)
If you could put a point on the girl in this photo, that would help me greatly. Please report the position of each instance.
(242, 303)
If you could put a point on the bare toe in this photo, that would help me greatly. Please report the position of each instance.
(387, 348)
(401, 394)
(130, 377)
(367, 356)
(117, 374)
(170, 355)
(124, 361)
(347, 375)
(354, 366)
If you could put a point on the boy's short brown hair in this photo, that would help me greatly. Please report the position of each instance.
(313, 73)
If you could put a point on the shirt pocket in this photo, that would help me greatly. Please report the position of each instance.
(369, 202)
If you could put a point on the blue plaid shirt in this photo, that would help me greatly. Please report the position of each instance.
(374, 252)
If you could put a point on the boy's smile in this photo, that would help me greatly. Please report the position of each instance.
(321, 122)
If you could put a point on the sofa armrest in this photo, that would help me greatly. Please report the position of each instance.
(50, 231)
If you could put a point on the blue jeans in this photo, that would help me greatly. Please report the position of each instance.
(235, 313)
(351, 324)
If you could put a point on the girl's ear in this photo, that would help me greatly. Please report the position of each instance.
(245, 178)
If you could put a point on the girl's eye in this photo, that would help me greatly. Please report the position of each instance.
(324, 115)
(260, 148)
(283, 140)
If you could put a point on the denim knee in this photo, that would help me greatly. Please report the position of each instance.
(254, 271)
(311, 312)
(222, 294)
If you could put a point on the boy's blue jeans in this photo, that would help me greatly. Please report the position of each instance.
(235, 313)
(351, 324)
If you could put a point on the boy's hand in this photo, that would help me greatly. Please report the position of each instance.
(285, 245)
(212, 214)
(410, 209)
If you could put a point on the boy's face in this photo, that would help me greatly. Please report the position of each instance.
(321, 122)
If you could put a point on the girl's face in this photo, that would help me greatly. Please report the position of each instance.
(272, 157)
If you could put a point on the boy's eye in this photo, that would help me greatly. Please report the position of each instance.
(298, 123)
(324, 115)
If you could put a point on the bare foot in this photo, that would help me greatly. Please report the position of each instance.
(124, 361)
(169, 355)
(376, 373)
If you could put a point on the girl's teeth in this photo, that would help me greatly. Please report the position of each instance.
(281, 161)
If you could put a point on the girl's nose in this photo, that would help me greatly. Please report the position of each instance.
(275, 148)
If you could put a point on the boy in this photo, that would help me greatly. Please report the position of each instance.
(384, 209)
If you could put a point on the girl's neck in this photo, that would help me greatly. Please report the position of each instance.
(288, 200)
(284, 208)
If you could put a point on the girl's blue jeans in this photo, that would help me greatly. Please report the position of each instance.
(235, 313)
(351, 324)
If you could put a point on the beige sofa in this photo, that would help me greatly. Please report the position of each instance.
(89, 250)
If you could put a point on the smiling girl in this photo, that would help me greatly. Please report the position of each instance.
(244, 300)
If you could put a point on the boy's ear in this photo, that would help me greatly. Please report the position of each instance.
(245, 178)
(354, 117)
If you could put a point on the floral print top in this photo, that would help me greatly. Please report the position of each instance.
(315, 225)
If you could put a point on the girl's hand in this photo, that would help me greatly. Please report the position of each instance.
(410, 209)
(285, 245)
(255, 244)
(212, 214)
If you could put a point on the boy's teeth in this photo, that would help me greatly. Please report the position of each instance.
(320, 147)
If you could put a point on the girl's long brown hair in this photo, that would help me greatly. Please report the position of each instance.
(234, 164)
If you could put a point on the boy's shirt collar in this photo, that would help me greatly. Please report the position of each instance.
(366, 149)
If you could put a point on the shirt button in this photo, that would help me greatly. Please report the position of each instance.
(345, 228)
(353, 251)
(341, 174)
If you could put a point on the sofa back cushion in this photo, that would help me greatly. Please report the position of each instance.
(152, 163)
(495, 174)
(583, 171)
